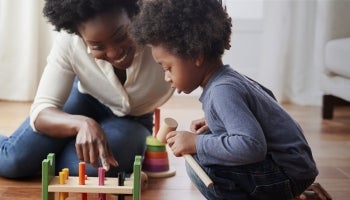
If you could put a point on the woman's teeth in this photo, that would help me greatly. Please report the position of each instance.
(122, 58)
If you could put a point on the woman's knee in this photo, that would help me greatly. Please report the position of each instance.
(16, 167)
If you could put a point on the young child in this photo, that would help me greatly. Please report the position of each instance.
(247, 143)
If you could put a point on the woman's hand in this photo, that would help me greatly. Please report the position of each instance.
(199, 126)
(182, 142)
(91, 144)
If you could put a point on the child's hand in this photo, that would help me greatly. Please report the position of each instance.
(182, 142)
(199, 126)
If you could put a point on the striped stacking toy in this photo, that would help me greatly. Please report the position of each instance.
(156, 161)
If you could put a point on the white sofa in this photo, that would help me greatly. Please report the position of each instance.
(336, 77)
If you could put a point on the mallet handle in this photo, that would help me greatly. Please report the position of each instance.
(171, 125)
(198, 169)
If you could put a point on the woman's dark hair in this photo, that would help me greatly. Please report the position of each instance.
(184, 27)
(69, 14)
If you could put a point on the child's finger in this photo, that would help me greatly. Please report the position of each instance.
(202, 129)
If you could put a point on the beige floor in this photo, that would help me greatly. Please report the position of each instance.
(329, 140)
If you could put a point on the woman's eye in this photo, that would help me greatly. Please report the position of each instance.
(99, 55)
(96, 48)
(121, 38)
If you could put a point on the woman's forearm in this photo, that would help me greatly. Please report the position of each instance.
(56, 123)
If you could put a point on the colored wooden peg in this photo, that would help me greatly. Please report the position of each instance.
(101, 182)
(66, 172)
(156, 120)
(82, 177)
(62, 181)
(121, 179)
(83, 196)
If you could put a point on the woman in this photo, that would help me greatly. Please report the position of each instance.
(107, 114)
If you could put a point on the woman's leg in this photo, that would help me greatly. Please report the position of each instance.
(21, 153)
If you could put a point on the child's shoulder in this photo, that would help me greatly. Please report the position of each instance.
(227, 75)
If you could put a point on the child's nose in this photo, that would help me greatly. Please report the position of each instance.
(167, 77)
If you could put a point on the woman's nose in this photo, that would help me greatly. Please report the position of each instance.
(114, 52)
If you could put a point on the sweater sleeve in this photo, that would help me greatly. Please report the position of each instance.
(236, 136)
(57, 78)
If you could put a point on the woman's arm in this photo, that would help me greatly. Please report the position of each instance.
(55, 123)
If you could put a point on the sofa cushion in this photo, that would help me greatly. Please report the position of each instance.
(337, 57)
(338, 86)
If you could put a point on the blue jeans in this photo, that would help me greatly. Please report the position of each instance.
(263, 180)
(21, 153)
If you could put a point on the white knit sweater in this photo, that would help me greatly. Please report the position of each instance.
(144, 90)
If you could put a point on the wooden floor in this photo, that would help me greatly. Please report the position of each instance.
(329, 140)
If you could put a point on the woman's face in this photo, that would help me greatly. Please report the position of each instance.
(107, 37)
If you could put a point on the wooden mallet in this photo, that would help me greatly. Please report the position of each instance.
(171, 125)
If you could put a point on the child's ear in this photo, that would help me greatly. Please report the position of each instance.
(199, 60)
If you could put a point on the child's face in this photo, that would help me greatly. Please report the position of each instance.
(183, 74)
(107, 37)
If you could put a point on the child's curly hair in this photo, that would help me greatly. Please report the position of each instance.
(69, 14)
(184, 27)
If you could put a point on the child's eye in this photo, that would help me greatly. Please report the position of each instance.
(167, 69)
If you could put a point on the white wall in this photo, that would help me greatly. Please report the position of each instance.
(244, 55)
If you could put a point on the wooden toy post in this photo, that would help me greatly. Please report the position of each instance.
(48, 172)
(51, 183)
